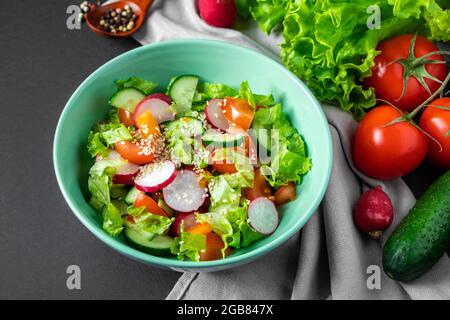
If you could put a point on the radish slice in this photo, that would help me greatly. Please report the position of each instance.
(214, 115)
(125, 174)
(161, 96)
(158, 108)
(125, 170)
(263, 216)
(184, 194)
(155, 176)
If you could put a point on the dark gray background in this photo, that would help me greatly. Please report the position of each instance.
(41, 64)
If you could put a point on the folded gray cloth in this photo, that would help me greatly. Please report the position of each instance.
(329, 258)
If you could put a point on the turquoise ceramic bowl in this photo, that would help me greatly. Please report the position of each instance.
(214, 62)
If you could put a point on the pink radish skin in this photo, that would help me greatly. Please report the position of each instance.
(158, 108)
(263, 215)
(161, 96)
(218, 13)
(214, 115)
(155, 176)
(125, 172)
(188, 220)
(374, 212)
(185, 194)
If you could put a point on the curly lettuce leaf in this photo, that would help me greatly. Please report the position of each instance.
(327, 42)
(112, 220)
(188, 246)
(218, 91)
(105, 135)
(143, 85)
(289, 161)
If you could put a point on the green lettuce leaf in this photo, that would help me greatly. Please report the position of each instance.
(112, 220)
(243, 7)
(218, 91)
(98, 186)
(153, 223)
(105, 135)
(268, 13)
(188, 246)
(327, 42)
(246, 93)
(143, 85)
(289, 161)
(148, 222)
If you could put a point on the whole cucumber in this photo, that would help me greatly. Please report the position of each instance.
(422, 237)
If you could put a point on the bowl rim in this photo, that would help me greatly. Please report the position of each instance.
(174, 263)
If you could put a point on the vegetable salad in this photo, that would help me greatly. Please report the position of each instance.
(194, 172)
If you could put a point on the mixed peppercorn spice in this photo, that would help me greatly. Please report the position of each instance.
(114, 20)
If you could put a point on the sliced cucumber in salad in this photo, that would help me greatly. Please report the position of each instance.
(131, 196)
(187, 126)
(127, 99)
(159, 245)
(217, 139)
(182, 90)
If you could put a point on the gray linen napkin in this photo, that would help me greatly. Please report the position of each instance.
(329, 258)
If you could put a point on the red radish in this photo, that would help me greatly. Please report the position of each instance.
(214, 115)
(161, 96)
(185, 194)
(125, 171)
(155, 176)
(218, 13)
(373, 212)
(188, 220)
(121, 177)
(263, 216)
(157, 106)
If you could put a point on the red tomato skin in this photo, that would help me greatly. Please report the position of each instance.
(143, 200)
(214, 246)
(126, 117)
(238, 111)
(388, 80)
(261, 188)
(436, 122)
(130, 151)
(387, 152)
(285, 194)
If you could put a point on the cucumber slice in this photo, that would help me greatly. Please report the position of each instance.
(131, 196)
(160, 245)
(131, 225)
(163, 205)
(218, 139)
(182, 90)
(127, 99)
(186, 126)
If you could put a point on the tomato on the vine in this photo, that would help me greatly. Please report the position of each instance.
(435, 120)
(401, 77)
(388, 146)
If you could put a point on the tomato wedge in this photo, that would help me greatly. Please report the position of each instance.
(238, 111)
(200, 228)
(126, 117)
(147, 124)
(261, 188)
(143, 200)
(133, 152)
(285, 194)
(220, 160)
(214, 246)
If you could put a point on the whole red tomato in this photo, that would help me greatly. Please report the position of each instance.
(436, 122)
(388, 76)
(386, 150)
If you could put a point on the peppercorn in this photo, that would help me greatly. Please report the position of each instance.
(118, 20)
